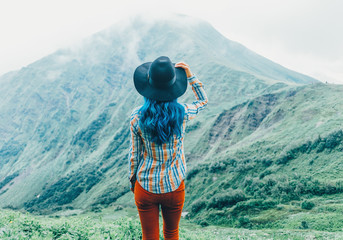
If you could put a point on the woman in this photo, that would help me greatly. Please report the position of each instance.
(157, 165)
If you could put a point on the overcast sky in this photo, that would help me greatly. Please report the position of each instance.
(303, 35)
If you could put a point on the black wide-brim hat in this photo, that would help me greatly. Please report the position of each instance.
(160, 80)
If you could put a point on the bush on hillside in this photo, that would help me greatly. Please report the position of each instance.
(66, 189)
(286, 188)
(329, 142)
(286, 157)
(217, 167)
(8, 179)
(304, 225)
(320, 147)
(244, 166)
(87, 137)
(191, 173)
(119, 141)
(111, 195)
(193, 126)
(252, 206)
(266, 162)
(265, 173)
(197, 169)
(198, 205)
(243, 221)
(227, 199)
(204, 223)
(334, 139)
(307, 204)
(232, 162)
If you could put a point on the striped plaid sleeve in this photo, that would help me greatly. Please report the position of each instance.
(135, 148)
(194, 108)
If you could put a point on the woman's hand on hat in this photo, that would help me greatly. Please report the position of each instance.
(186, 67)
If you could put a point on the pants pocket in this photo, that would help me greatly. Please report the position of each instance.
(142, 197)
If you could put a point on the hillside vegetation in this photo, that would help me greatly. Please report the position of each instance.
(270, 154)
(112, 225)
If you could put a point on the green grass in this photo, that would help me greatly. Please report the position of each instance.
(110, 224)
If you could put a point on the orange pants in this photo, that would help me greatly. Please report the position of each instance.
(148, 208)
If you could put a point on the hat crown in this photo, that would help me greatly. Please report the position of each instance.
(161, 73)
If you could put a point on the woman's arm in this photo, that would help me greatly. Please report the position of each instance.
(194, 108)
(198, 88)
(134, 152)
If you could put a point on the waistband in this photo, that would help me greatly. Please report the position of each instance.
(180, 188)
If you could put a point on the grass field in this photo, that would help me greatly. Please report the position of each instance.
(124, 224)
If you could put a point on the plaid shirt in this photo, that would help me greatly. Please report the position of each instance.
(160, 168)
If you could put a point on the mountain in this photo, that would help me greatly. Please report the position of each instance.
(65, 133)
(270, 156)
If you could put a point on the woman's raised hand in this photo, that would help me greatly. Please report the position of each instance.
(186, 67)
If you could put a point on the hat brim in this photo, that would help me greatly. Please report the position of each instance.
(141, 82)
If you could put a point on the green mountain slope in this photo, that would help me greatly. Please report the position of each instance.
(274, 149)
(64, 120)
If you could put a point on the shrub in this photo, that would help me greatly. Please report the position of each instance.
(87, 137)
(265, 173)
(252, 205)
(118, 208)
(217, 167)
(334, 139)
(307, 204)
(266, 162)
(10, 207)
(330, 142)
(320, 147)
(59, 230)
(232, 162)
(128, 229)
(285, 158)
(111, 195)
(243, 221)
(244, 166)
(198, 205)
(204, 223)
(194, 171)
(193, 126)
(228, 199)
(8, 179)
(260, 188)
(286, 188)
(304, 225)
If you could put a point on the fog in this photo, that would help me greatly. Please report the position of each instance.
(304, 36)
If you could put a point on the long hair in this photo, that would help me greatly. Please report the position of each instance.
(161, 119)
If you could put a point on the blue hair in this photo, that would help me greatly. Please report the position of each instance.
(161, 119)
